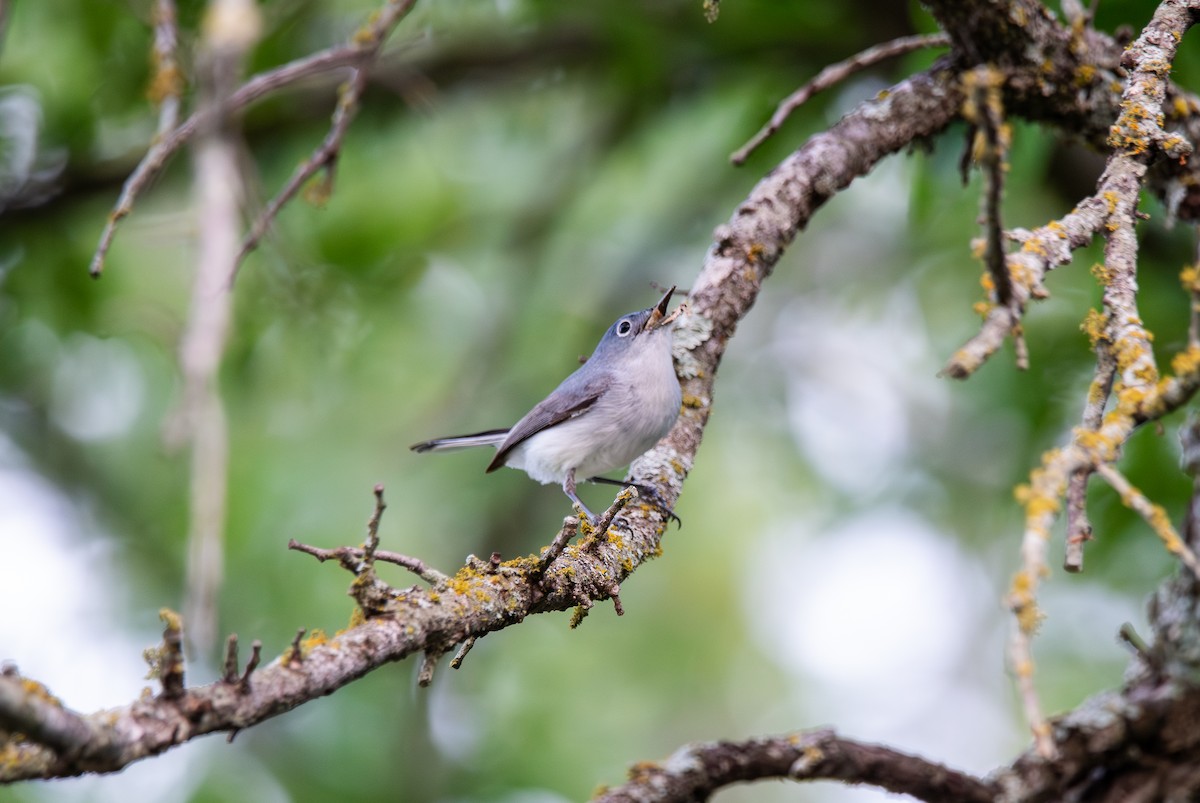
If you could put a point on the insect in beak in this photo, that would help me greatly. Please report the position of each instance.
(658, 316)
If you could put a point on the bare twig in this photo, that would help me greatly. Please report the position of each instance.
(696, 771)
(251, 665)
(565, 534)
(295, 654)
(429, 663)
(372, 544)
(831, 76)
(1154, 515)
(230, 675)
(627, 494)
(615, 594)
(166, 85)
(465, 648)
(983, 108)
(357, 554)
(1079, 528)
(362, 48)
(324, 157)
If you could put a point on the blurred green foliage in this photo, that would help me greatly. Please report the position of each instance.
(519, 174)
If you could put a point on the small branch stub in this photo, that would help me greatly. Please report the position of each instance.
(251, 665)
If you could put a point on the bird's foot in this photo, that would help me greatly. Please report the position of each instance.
(647, 492)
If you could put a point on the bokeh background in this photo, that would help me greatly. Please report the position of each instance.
(520, 174)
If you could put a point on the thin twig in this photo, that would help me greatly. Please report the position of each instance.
(372, 544)
(1128, 635)
(351, 54)
(1079, 527)
(1154, 515)
(231, 659)
(324, 157)
(627, 494)
(428, 664)
(251, 665)
(550, 554)
(296, 653)
(614, 594)
(833, 75)
(1021, 654)
(166, 85)
(357, 554)
(465, 648)
(983, 108)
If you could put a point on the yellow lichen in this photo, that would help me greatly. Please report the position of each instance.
(1186, 362)
(315, 639)
(1095, 326)
(1034, 246)
(1189, 277)
(1102, 273)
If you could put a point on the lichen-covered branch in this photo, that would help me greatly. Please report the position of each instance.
(1071, 77)
(480, 598)
(1136, 138)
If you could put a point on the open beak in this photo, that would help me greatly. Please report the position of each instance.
(658, 314)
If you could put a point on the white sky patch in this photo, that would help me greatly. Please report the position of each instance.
(59, 624)
(851, 401)
(879, 620)
(98, 388)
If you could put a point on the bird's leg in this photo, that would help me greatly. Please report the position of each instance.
(647, 492)
(569, 490)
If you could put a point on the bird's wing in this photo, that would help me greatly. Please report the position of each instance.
(571, 400)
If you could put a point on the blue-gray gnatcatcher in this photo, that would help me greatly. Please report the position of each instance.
(617, 405)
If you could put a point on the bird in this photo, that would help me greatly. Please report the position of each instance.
(616, 406)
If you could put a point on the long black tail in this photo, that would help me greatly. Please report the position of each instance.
(492, 437)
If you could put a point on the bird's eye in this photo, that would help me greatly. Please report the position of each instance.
(624, 328)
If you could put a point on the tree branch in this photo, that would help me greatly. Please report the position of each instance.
(1021, 37)
(696, 771)
(1136, 137)
(831, 76)
(362, 48)
(476, 600)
